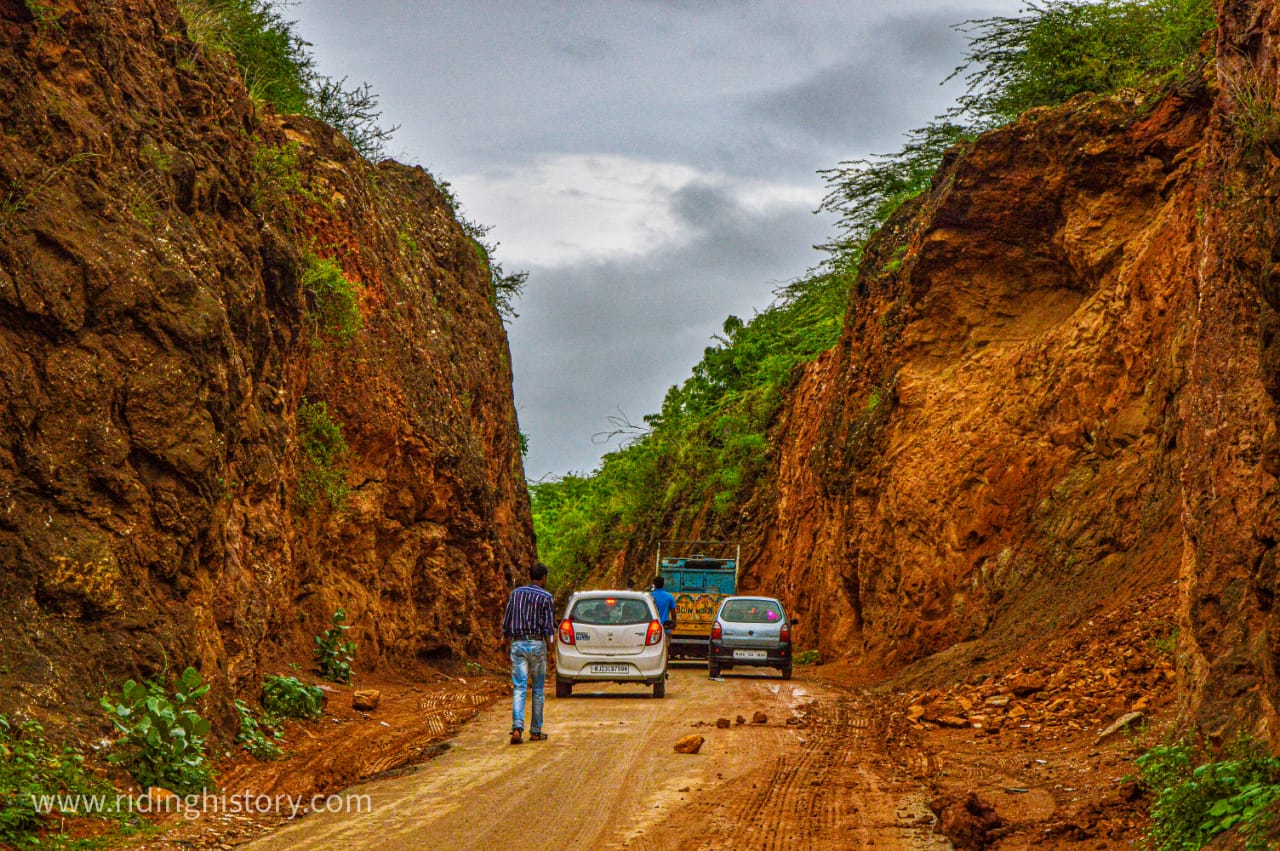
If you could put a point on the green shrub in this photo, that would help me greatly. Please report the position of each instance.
(46, 16)
(1058, 49)
(289, 697)
(163, 743)
(31, 768)
(1194, 803)
(333, 654)
(324, 452)
(808, 657)
(259, 735)
(278, 177)
(335, 304)
(277, 67)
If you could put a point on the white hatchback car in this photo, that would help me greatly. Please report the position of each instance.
(611, 636)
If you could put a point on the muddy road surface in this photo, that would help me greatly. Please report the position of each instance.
(813, 775)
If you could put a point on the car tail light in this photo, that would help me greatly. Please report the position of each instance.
(717, 631)
(785, 634)
(566, 631)
(654, 635)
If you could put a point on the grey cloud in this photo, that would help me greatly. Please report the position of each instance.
(861, 103)
(599, 337)
(585, 49)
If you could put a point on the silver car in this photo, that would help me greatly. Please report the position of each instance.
(611, 636)
(751, 631)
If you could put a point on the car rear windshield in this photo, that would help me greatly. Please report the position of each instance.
(607, 611)
(751, 611)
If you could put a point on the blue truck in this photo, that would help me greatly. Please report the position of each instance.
(699, 574)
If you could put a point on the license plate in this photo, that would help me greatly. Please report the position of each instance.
(610, 669)
(750, 654)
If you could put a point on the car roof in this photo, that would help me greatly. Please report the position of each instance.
(634, 595)
(751, 597)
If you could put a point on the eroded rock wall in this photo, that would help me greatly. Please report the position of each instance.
(992, 448)
(1065, 396)
(157, 341)
(1230, 634)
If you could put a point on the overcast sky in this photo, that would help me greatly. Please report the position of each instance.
(652, 164)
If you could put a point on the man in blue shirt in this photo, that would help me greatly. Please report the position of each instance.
(665, 603)
(529, 624)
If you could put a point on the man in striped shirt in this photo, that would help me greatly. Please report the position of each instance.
(530, 625)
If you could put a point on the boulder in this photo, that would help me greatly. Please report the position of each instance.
(689, 744)
(366, 699)
(966, 820)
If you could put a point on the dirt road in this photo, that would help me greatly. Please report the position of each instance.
(810, 777)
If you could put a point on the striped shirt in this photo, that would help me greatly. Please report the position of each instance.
(529, 612)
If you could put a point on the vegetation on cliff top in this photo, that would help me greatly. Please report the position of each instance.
(278, 68)
(708, 443)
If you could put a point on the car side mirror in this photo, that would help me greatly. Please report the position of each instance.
(795, 621)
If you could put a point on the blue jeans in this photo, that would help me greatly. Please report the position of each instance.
(528, 669)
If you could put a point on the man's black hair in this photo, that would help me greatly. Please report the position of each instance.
(659, 581)
(537, 571)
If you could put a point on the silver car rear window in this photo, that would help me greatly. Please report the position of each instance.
(610, 611)
(751, 611)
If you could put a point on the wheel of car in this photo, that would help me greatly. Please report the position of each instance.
(713, 669)
(564, 688)
(660, 688)
(786, 673)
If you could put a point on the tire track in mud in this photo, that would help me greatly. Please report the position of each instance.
(839, 789)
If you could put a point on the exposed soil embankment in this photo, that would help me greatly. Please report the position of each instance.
(158, 338)
(1056, 392)
(993, 445)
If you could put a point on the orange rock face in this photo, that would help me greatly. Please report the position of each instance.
(1066, 395)
(157, 340)
(994, 441)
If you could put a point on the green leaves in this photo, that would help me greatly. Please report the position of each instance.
(335, 303)
(706, 445)
(31, 768)
(163, 735)
(1061, 48)
(333, 655)
(1192, 805)
(277, 67)
(289, 697)
(322, 472)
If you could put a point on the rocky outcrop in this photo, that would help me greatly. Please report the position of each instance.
(994, 441)
(1230, 632)
(1066, 395)
(159, 337)
(1056, 390)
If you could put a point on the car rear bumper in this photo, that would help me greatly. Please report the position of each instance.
(775, 657)
(648, 667)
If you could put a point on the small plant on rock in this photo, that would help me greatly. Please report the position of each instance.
(324, 449)
(31, 769)
(808, 657)
(163, 743)
(259, 735)
(289, 697)
(335, 303)
(333, 654)
(1194, 803)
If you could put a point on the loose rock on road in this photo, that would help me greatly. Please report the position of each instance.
(812, 776)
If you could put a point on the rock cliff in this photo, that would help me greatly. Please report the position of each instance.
(1057, 390)
(196, 298)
